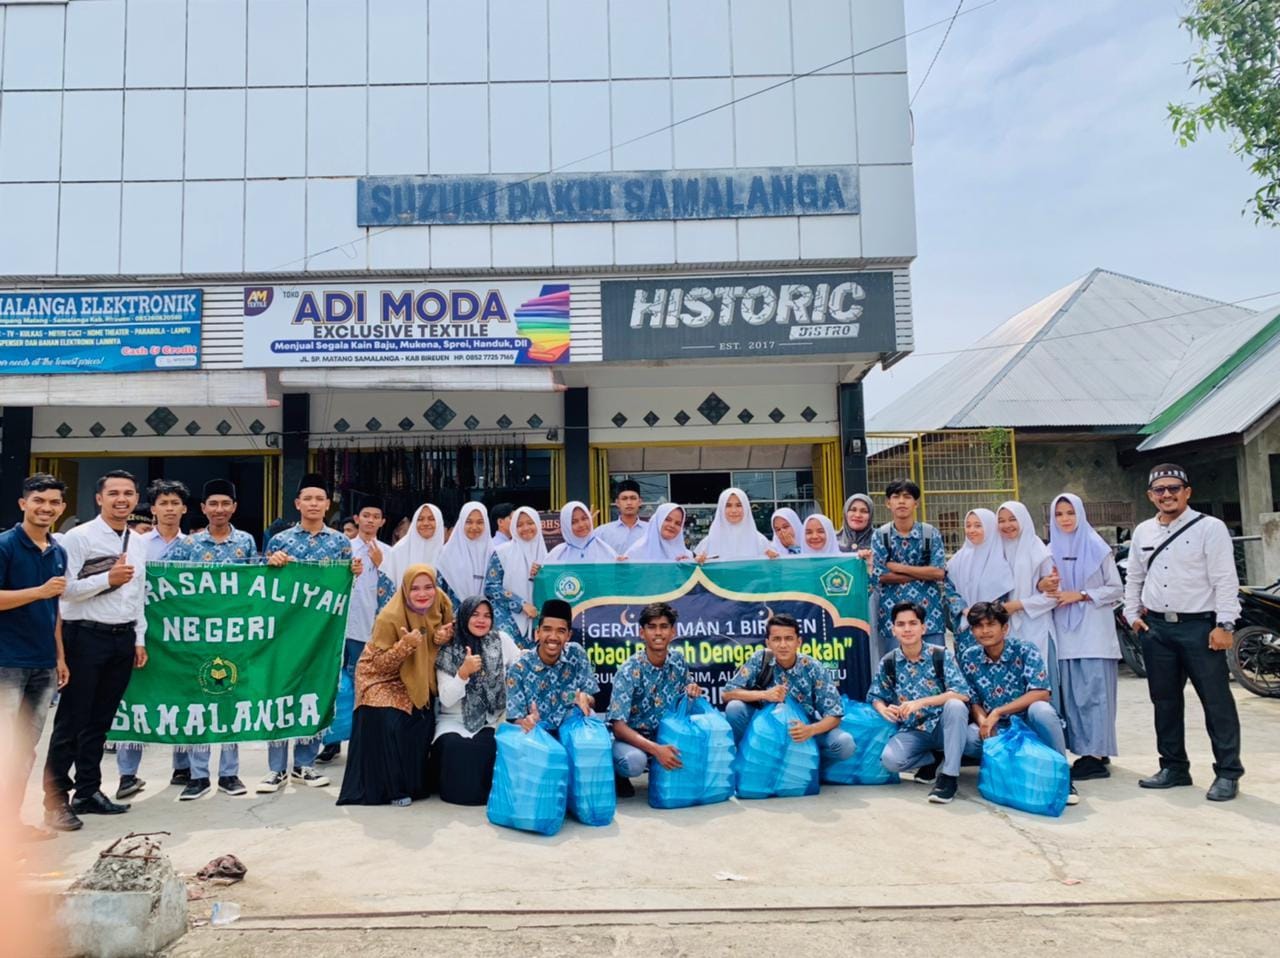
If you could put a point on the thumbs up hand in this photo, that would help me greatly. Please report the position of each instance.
(471, 664)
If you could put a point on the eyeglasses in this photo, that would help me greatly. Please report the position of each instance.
(1167, 490)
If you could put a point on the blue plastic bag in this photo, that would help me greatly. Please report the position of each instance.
(1022, 772)
(769, 764)
(717, 777)
(871, 733)
(530, 780)
(589, 746)
(340, 730)
(681, 787)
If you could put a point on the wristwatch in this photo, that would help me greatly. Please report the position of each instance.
(1227, 626)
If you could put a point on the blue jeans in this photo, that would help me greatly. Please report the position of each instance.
(24, 705)
(629, 761)
(304, 754)
(1043, 720)
(834, 746)
(228, 760)
(129, 757)
(912, 748)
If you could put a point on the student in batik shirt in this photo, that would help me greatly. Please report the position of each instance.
(1006, 676)
(645, 687)
(909, 563)
(546, 682)
(919, 688)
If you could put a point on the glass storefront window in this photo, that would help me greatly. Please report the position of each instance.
(697, 493)
(757, 485)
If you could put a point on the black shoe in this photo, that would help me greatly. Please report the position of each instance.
(1222, 789)
(232, 785)
(196, 788)
(180, 776)
(129, 785)
(63, 819)
(329, 753)
(926, 774)
(1087, 767)
(98, 804)
(944, 789)
(1166, 778)
(622, 785)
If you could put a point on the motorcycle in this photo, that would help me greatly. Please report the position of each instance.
(1130, 641)
(1254, 656)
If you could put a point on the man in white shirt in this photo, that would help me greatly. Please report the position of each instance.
(500, 521)
(628, 528)
(104, 636)
(1182, 595)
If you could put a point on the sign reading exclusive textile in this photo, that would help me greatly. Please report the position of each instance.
(237, 653)
(608, 197)
(780, 315)
(722, 607)
(498, 324)
(124, 331)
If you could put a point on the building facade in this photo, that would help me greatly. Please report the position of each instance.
(504, 250)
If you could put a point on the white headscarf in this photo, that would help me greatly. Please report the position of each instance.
(1025, 554)
(589, 548)
(413, 549)
(463, 562)
(727, 540)
(654, 548)
(1076, 555)
(980, 573)
(791, 518)
(518, 557)
(832, 546)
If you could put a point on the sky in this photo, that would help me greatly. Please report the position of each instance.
(1042, 150)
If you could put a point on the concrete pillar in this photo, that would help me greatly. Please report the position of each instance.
(853, 440)
(15, 461)
(296, 421)
(577, 446)
(1253, 471)
(1269, 528)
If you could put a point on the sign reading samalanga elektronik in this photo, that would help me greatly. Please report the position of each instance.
(99, 331)
(476, 324)
(441, 200)
(785, 314)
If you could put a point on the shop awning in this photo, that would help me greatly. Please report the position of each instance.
(499, 379)
(220, 388)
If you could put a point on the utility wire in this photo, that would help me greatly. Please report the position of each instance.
(936, 54)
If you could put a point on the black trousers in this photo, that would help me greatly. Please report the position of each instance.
(1175, 652)
(100, 664)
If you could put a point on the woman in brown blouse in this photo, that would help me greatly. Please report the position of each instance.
(393, 724)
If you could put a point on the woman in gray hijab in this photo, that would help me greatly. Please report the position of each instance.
(855, 534)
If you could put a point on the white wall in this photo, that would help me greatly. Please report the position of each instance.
(226, 135)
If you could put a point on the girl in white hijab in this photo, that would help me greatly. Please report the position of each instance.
(820, 537)
(464, 560)
(1029, 608)
(420, 546)
(664, 538)
(581, 544)
(733, 533)
(786, 525)
(979, 572)
(508, 582)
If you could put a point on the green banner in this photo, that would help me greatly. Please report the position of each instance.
(722, 609)
(237, 653)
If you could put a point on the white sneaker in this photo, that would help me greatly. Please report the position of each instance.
(1073, 797)
(272, 783)
(307, 775)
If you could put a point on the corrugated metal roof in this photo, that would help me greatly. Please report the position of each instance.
(1101, 351)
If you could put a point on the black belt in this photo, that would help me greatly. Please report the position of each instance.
(108, 628)
(1184, 616)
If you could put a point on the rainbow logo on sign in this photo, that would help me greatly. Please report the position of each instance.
(544, 321)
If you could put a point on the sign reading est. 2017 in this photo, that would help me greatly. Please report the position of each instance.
(99, 331)
(751, 316)
(607, 197)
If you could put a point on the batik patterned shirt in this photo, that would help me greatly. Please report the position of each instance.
(992, 684)
(201, 547)
(808, 681)
(552, 687)
(917, 680)
(908, 550)
(643, 692)
(300, 544)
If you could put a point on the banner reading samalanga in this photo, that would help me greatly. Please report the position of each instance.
(722, 609)
(237, 653)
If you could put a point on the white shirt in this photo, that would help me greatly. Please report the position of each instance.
(364, 593)
(158, 548)
(87, 599)
(1196, 573)
(620, 536)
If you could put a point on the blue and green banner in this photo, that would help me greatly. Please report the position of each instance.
(722, 608)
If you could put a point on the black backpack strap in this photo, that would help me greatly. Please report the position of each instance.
(890, 665)
(940, 667)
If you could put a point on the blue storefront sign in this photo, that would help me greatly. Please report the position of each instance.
(100, 331)
(608, 197)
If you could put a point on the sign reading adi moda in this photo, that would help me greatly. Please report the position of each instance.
(498, 324)
(237, 653)
(722, 609)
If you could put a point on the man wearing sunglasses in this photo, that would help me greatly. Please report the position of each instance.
(1182, 596)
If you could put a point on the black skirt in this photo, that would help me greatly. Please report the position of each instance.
(464, 766)
(387, 758)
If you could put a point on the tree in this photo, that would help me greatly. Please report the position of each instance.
(1237, 68)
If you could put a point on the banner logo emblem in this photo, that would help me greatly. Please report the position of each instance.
(568, 587)
(218, 676)
(257, 300)
(836, 581)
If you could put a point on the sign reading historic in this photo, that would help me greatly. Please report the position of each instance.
(499, 324)
(722, 608)
(749, 316)
(237, 653)
(123, 331)
(607, 197)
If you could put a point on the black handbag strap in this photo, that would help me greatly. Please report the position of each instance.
(1169, 541)
(764, 679)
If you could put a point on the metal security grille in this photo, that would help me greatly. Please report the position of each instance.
(957, 470)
